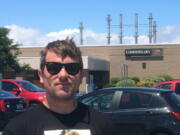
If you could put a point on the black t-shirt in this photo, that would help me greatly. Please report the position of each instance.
(42, 121)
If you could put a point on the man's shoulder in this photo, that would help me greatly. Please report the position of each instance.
(31, 113)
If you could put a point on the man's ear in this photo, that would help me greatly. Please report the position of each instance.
(40, 74)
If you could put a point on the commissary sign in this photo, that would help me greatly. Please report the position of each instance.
(143, 54)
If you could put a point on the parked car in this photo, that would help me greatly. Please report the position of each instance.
(137, 110)
(26, 89)
(173, 85)
(10, 106)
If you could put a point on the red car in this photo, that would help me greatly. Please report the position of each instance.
(26, 89)
(10, 106)
(173, 85)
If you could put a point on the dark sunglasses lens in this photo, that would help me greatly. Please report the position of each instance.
(53, 67)
(72, 68)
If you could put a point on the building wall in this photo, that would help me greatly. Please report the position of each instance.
(170, 64)
(115, 55)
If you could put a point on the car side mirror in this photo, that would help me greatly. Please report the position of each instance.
(17, 91)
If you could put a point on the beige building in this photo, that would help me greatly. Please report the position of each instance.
(104, 62)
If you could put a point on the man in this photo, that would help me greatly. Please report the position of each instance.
(61, 74)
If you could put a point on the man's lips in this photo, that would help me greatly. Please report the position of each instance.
(62, 84)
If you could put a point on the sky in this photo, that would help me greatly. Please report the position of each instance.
(34, 23)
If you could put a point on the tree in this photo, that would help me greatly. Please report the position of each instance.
(8, 54)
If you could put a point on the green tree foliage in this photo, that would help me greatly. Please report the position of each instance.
(8, 54)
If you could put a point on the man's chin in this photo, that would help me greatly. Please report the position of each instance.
(65, 96)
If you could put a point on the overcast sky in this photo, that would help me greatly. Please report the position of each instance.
(37, 22)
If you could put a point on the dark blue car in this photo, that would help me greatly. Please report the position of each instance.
(138, 111)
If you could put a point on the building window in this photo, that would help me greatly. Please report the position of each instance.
(144, 65)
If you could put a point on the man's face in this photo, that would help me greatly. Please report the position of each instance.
(60, 86)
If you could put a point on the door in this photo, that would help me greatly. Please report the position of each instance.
(130, 114)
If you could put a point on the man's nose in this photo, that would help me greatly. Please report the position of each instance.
(63, 72)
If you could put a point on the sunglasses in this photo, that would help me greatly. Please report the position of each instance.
(55, 67)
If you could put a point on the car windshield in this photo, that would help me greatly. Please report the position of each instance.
(30, 86)
(5, 94)
(173, 100)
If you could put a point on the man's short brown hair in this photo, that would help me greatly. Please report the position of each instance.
(62, 48)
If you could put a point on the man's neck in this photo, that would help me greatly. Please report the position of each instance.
(63, 107)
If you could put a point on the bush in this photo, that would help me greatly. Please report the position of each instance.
(128, 82)
(165, 77)
(115, 80)
(109, 85)
(135, 81)
(145, 84)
